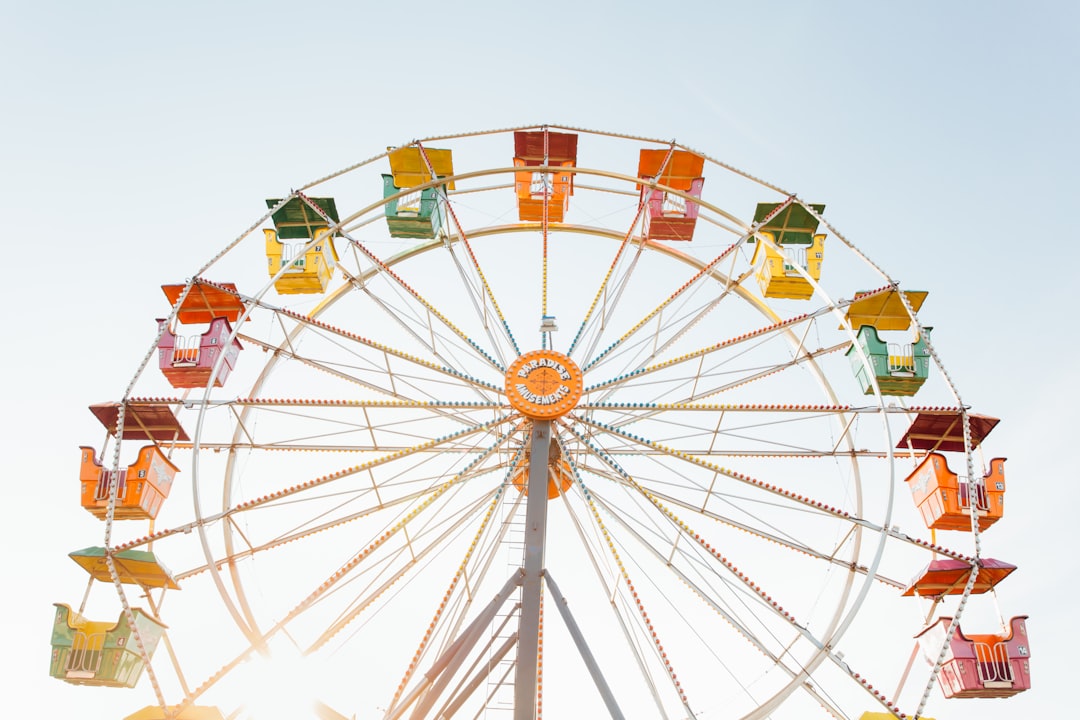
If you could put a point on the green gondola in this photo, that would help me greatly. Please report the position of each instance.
(85, 652)
(900, 369)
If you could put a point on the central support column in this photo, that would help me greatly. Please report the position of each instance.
(533, 566)
(542, 385)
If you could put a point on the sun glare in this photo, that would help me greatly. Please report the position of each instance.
(278, 685)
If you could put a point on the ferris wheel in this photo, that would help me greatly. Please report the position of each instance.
(539, 419)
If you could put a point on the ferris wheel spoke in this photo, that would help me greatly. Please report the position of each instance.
(282, 539)
(590, 323)
(413, 563)
(788, 497)
(818, 507)
(399, 382)
(709, 597)
(636, 355)
(644, 622)
(660, 415)
(458, 577)
(742, 343)
(344, 500)
(296, 492)
(336, 338)
(735, 430)
(446, 348)
(382, 425)
(775, 538)
(684, 292)
(383, 350)
(797, 500)
(429, 335)
(371, 464)
(683, 324)
(698, 390)
(271, 427)
(429, 307)
(408, 500)
(335, 579)
(479, 305)
(751, 590)
(610, 306)
(593, 546)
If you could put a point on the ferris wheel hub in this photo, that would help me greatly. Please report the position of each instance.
(543, 384)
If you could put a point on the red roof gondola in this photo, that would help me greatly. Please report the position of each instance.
(561, 147)
(142, 422)
(942, 430)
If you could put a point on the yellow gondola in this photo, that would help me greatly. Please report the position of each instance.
(794, 250)
(776, 268)
(309, 271)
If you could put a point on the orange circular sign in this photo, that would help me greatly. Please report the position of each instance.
(543, 384)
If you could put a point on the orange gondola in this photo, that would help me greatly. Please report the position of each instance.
(550, 190)
(946, 501)
(141, 488)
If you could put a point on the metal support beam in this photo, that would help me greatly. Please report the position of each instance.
(528, 654)
(583, 648)
(469, 688)
(452, 658)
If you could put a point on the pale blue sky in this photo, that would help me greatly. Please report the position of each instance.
(138, 139)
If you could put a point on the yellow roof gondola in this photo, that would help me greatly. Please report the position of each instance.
(884, 309)
(135, 567)
(410, 169)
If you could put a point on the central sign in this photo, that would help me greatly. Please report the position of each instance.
(543, 384)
